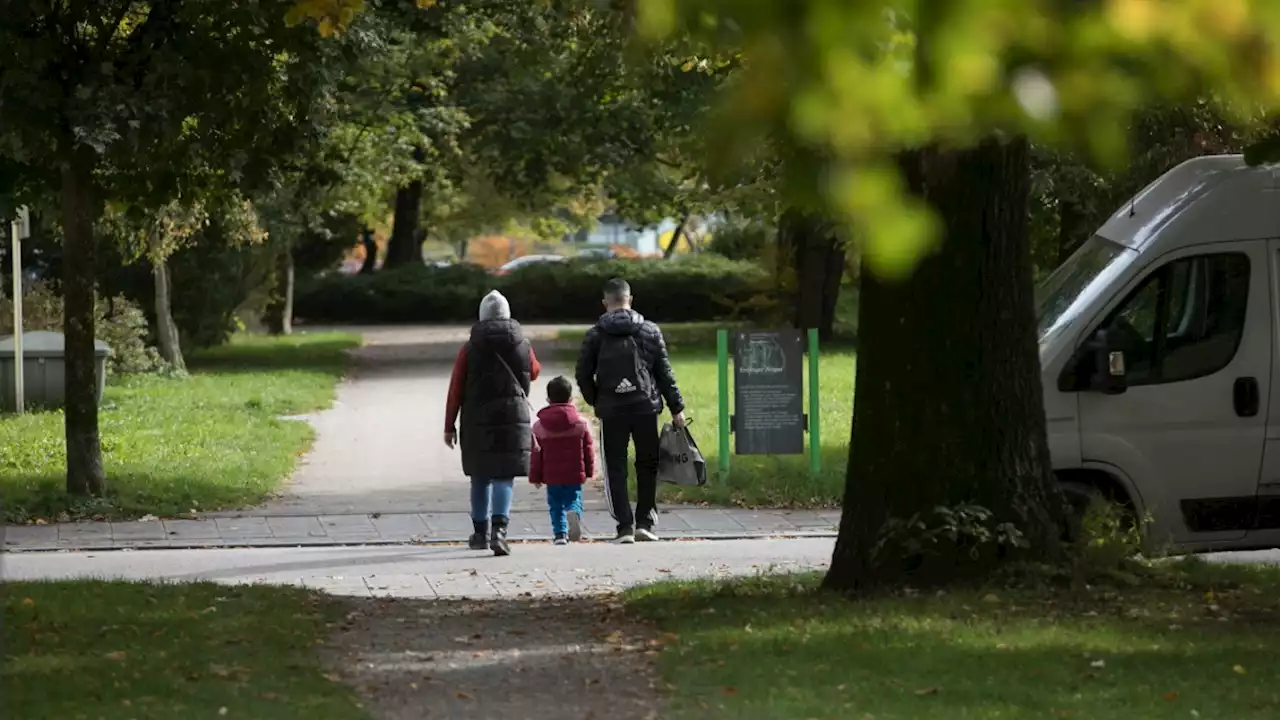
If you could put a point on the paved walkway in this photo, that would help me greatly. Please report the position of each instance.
(438, 571)
(250, 530)
(380, 448)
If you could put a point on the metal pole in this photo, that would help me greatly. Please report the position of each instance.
(815, 422)
(722, 362)
(19, 382)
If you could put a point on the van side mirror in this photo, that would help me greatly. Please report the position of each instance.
(1108, 365)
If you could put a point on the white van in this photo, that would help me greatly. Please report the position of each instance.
(1157, 340)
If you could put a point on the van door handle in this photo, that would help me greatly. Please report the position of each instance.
(1245, 396)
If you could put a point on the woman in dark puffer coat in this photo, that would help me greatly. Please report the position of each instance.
(490, 386)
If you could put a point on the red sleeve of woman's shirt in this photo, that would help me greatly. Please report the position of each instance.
(457, 382)
(535, 368)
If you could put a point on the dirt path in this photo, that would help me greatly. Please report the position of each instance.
(534, 659)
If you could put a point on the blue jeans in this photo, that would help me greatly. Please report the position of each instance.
(561, 500)
(500, 490)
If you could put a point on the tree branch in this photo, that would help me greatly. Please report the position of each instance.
(108, 30)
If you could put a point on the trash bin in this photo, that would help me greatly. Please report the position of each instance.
(44, 370)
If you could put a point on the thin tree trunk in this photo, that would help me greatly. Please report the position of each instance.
(166, 329)
(948, 405)
(675, 238)
(405, 245)
(817, 258)
(1070, 220)
(85, 474)
(370, 263)
(280, 310)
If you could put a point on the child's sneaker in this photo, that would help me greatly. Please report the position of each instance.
(626, 536)
(575, 526)
(644, 534)
(560, 540)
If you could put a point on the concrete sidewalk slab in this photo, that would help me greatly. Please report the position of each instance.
(437, 571)
(393, 529)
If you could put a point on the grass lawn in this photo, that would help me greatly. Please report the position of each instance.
(775, 648)
(766, 480)
(757, 481)
(93, 649)
(214, 440)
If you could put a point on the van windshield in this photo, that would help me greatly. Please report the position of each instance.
(1063, 294)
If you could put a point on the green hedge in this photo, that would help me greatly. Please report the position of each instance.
(689, 289)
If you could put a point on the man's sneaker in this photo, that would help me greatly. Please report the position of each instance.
(560, 540)
(625, 537)
(575, 527)
(644, 534)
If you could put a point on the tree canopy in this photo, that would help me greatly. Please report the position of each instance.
(860, 81)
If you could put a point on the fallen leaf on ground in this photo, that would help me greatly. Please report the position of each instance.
(462, 695)
(117, 655)
(1171, 696)
(928, 691)
(1239, 670)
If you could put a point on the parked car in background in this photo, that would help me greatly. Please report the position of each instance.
(603, 252)
(527, 260)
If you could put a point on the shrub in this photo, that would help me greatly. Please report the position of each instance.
(701, 288)
(742, 239)
(119, 323)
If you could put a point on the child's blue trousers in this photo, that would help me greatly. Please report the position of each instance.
(562, 500)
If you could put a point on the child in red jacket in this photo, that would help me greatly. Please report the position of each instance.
(564, 456)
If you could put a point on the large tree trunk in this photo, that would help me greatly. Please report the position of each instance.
(948, 406)
(816, 255)
(85, 474)
(280, 309)
(166, 329)
(405, 245)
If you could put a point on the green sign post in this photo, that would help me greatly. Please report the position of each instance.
(768, 413)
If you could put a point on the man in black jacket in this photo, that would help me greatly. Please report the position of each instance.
(625, 375)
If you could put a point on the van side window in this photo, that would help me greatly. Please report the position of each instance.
(1185, 321)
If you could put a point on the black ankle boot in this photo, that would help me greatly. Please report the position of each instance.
(479, 540)
(498, 538)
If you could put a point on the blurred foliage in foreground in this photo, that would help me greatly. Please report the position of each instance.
(854, 82)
